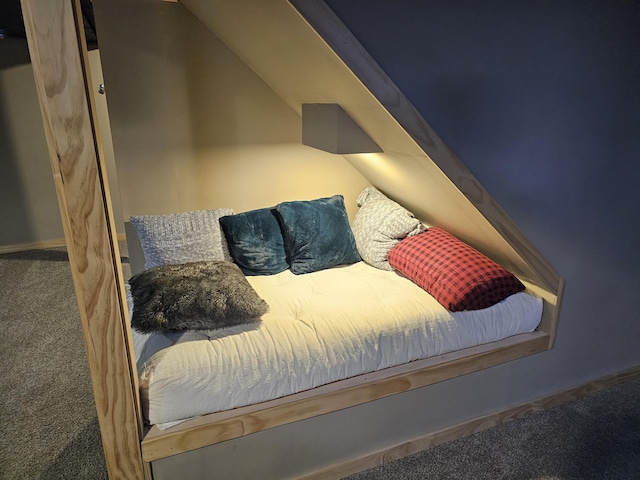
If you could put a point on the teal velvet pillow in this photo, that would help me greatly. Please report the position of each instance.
(255, 242)
(317, 234)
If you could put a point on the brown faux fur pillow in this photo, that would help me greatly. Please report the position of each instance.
(193, 296)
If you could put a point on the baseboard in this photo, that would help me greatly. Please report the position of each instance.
(463, 429)
(42, 245)
(22, 247)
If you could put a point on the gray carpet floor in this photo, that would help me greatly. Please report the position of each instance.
(594, 438)
(47, 412)
(49, 428)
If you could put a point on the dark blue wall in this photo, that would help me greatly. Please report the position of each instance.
(541, 100)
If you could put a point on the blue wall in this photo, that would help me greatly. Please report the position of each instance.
(541, 100)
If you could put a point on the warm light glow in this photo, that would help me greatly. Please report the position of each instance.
(328, 127)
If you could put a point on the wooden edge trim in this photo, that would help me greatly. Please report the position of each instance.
(469, 427)
(111, 231)
(43, 245)
(551, 307)
(553, 326)
(217, 427)
(148, 474)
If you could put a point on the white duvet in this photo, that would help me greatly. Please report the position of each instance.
(321, 327)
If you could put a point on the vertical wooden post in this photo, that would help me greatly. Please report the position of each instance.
(58, 55)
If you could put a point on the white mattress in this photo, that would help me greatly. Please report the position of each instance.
(321, 327)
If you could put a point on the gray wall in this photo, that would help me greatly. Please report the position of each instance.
(28, 206)
(29, 214)
(541, 102)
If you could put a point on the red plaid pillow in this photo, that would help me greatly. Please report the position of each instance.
(455, 274)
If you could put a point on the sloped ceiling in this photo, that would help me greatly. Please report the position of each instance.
(306, 55)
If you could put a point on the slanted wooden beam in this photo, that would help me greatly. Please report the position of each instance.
(59, 57)
(338, 37)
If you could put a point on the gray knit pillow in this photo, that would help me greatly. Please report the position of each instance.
(182, 237)
(193, 296)
(379, 225)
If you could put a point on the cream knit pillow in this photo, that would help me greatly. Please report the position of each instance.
(379, 225)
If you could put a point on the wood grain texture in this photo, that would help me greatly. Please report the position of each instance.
(58, 55)
(468, 428)
(295, 61)
(550, 307)
(313, 77)
(218, 427)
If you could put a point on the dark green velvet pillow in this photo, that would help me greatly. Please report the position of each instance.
(255, 242)
(317, 234)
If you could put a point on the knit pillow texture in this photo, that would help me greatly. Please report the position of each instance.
(454, 273)
(379, 225)
(182, 237)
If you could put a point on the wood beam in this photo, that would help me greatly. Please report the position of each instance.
(338, 37)
(59, 57)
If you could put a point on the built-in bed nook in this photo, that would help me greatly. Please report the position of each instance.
(279, 276)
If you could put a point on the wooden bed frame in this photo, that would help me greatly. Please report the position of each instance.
(59, 58)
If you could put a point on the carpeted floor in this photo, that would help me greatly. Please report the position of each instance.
(50, 431)
(595, 438)
(47, 411)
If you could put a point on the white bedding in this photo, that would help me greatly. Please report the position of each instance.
(321, 327)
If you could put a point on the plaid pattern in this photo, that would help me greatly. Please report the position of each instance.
(455, 274)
